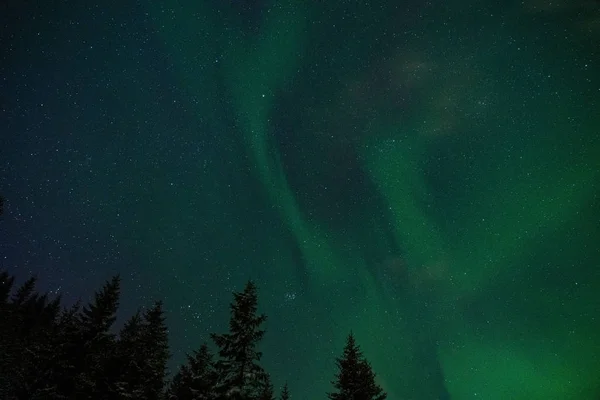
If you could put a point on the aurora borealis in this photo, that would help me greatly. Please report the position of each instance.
(426, 175)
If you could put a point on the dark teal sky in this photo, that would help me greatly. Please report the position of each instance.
(424, 175)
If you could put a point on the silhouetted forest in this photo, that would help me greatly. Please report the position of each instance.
(48, 351)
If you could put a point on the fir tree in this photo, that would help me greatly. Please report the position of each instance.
(154, 336)
(8, 347)
(178, 387)
(355, 379)
(240, 375)
(266, 392)
(129, 360)
(96, 342)
(27, 342)
(6, 284)
(68, 348)
(285, 394)
(196, 379)
(6, 336)
(24, 292)
(40, 348)
(98, 317)
(11, 341)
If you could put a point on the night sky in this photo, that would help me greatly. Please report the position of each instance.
(424, 174)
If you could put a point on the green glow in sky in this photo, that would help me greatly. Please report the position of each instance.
(480, 161)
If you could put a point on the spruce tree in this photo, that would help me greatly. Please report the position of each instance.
(178, 387)
(7, 334)
(355, 379)
(41, 344)
(96, 343)
(12, 359)
(285, 394)
(24, 292)
(6, 284)
(154, 336)
(266, 392)
(196, 379)
(240, 375)
(98, 317)
(129, 361)
(69, 348)
(27, 342)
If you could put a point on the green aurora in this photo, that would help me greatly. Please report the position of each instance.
(481, 180)
(424, 175)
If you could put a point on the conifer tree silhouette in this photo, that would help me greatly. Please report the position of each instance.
(154, 337)
(355, 379)
(196, 379)
(285, 394)
(96, 342)
(240, 375)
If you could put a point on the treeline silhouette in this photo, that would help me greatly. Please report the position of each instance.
(49, 352)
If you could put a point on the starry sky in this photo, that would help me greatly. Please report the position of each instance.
(424, 174)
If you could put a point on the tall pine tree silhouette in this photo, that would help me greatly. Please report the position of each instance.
(285, 394)
(129, 360)
(69, 347)
(96, 342)
(266, 392)
(6, 284)
(154, 337)
(7, 345)
(240, 375)
(39, 347)
(355, 379)
(28, 343)
(196, 379)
